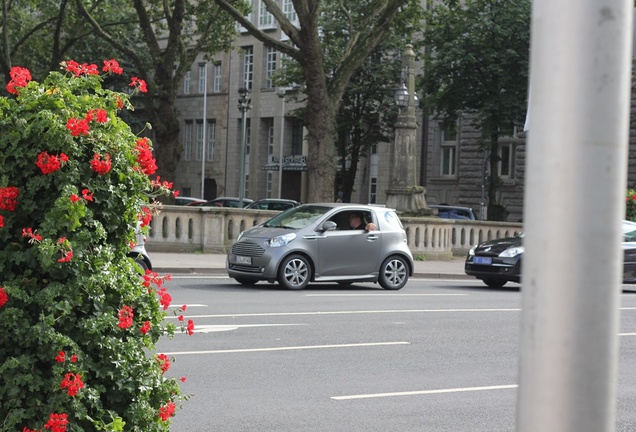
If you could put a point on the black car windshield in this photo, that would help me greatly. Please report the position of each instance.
(297, 217)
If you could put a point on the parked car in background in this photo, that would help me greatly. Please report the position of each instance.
(315, 243)
(497, 262)
(453, 212)
(181, 201)
(273, 204)
(223, 202)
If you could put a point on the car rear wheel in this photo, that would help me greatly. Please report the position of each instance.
(494, 283)
(246, 281)
(394, 273)
(294, 272)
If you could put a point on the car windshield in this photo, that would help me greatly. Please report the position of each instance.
(297, 217)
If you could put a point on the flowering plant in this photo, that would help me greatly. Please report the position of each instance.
(78, 319)
(630, 205)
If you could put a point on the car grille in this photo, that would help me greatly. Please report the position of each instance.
(245, 269)
(247, 249)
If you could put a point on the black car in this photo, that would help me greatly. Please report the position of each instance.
(273, 204)
(222, 202)
(497, 262)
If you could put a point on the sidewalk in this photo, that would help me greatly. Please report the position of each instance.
(179, 263)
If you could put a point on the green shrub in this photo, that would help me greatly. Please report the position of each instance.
(630, 205)
(78, 320)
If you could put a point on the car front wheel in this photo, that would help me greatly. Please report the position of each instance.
(294, 272)
(394, 273)
(494, 283)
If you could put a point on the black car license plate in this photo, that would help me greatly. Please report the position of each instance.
(482, 260)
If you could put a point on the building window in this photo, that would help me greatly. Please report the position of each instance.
(248, 67)
(217, 77)
(373, 190)
(289, 11)
(270, 182)
(265, 19)
(504, 167)
(186, 83)
(211, 132)
(247, 184)
(187, 146)
(448, 150)
(297, 137)
(448, 161)
(270, 135)
(199, 153)
(203, 69)
(270, 67)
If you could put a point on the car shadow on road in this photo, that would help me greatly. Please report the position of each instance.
(269, 287)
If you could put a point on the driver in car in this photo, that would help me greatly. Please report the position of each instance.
(356, 222)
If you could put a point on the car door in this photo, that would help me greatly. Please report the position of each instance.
(346, 252)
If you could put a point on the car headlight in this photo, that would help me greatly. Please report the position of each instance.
(240, 236)
(471, 252)
(280, 240)
(512, 252)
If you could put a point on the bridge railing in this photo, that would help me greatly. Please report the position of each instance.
(215, 229)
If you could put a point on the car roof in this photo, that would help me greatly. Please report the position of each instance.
(444, 206)
(352, 206)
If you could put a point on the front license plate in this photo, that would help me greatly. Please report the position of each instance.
(242, 260)
(482, 260)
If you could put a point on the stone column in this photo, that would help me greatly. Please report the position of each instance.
(404, 194)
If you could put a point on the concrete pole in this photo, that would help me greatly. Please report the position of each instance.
(574, 202)
(282, 146)
(205, 121)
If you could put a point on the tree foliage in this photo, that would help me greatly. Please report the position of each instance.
(477, 64)
(326, 70)
(170, 36)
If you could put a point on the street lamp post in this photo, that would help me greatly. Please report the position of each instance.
(403, 193)
(243, 106)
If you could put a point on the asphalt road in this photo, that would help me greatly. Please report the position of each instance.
(434, 356)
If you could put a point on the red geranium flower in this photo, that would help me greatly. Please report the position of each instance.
(4, 297)
(138, 84)
(9, 198)
(126, 316)
(112, 66)
(145, 328)
(87, 195)
(72, 382)
(76, 69)
(144, 157)
(164, 362)
(60, 357)
(101, 164)
(164, 298)
(19, 78)
(57, 422)
(165, 412)
(77, 126)
(49, 163)
(1, 221)
(190, 327)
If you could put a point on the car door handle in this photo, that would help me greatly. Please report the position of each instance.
(372, 237)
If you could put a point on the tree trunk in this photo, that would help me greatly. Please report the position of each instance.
(493, 205)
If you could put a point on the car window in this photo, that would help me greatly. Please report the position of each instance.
(393, 220)
(629, 231)
(297, 217)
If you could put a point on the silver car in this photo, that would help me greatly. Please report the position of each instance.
(315, 243)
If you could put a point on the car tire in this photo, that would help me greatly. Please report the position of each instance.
(494, 283)
(394, 273)
(142, 264)
(246, 281)
(294, 272)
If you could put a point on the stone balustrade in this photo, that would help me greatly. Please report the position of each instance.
(214, 230)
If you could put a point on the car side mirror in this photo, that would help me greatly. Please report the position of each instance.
(328, 226)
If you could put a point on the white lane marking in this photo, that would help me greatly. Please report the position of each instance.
(348, 312)
(205, 328)
(382, 295)
(424, 392)
(178, 305)
(291, 348)
(627, 334)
